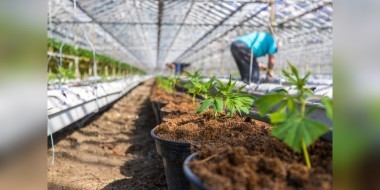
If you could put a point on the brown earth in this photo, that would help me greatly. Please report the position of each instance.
(238, 167)
(240, 153)
(162, 96)
(184, 107)
(112, 151)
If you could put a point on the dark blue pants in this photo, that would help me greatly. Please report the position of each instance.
(242, 56)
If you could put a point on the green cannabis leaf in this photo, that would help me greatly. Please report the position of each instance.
(197, 87)
(226, 98)
(329, 106)
(167, 84)
(291, 123)
(294, 130)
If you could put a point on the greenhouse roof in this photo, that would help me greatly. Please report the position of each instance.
(150, 33)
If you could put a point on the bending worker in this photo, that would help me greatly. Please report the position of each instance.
(260, 44)
(178, 67)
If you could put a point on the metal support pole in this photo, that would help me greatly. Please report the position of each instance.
(95, 66)
(250, 68)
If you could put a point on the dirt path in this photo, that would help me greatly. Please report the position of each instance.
(113, 151)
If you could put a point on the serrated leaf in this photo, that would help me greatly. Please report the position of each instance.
(281, 91)
(278, 117)
(241, 88)
(291, 104)
(246, 100)
(310, 110)
(218, 104)
(188, 74)
(294, 71)
(231, 86)
(295, 129)
(267, 102)
(328, 106)
(245, 110)
(205, 105)
(306, 76)
(220, 83)
(289, 77)
(237, 103)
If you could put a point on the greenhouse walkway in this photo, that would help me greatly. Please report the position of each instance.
(114, 150)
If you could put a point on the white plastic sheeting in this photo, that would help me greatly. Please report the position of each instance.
(67, 105)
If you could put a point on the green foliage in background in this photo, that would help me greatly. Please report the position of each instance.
(292, 125)
(166, 83)
(54, 46)
(63, 74)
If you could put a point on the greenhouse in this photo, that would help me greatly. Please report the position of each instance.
(189, 94)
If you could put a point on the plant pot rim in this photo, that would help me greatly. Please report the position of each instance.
(190, 175)
(166, 111)
(156, 137)
(160, 102)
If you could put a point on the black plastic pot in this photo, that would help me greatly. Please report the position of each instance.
(164, 113)
(173, 154)
(155, 111)
(156, 106)
(195, 182)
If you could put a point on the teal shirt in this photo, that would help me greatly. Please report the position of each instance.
(261, 43)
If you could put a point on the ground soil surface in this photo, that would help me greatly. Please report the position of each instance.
(114, 150)
(239, 153)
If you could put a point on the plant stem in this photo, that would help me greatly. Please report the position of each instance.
(306, 154)
(304, 148)
(303, 107)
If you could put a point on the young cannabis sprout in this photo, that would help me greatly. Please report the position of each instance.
(226, 98)
(166, 83)
(195, 86)
(292, 125)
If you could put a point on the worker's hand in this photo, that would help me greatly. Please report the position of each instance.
(270, 74)
(262, 67)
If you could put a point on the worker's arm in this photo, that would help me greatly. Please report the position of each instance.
(270, 72)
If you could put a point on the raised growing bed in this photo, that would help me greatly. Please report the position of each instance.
(70, 104)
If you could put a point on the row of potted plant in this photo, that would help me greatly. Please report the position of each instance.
(230, 148)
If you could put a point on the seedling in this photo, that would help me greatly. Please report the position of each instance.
(291, 123)
(164, 83)
(197, 87)
(173, 81)
(196, 77)
(226, 98)
(168, 84)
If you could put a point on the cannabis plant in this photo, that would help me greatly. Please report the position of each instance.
(164, 83)
(173, 81)
(291, 124)
(168, 84)
(227, 98)
(196, 86)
